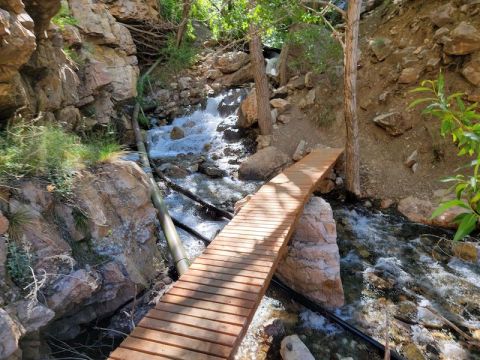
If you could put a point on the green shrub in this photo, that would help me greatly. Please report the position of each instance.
(18, 219)
(63, 17)
(462, 123)
(49, 151)
(19, 264)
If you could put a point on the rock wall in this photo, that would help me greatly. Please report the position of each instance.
(90, 255)
(312, 264)
(79, 90)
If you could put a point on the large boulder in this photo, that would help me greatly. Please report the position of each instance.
(240, 77)
(463, 40)
(134, 10)
(421, 210)
(232, 61)
(312, 264)
(263, 164)
(101, 247)
(248, 111)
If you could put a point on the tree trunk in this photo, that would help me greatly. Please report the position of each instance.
(187, 5)
(352, 165)
(261, 81)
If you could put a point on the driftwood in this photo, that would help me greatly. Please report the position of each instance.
(174, 243)
(191, 231)
(194, 197)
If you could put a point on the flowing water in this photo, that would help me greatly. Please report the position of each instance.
(390, 267)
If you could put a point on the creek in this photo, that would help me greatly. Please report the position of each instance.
(389, 265)
(391, 268)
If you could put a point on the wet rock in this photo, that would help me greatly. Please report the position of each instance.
(233, 134)
(173, 171)
(292, 348)
(471, 71)
(281, 92)
(393, 123)
(232, 61)
(412, 352)
(248, 112)
(466, 251)
(381, 48)
(464, 39)
(377, 281)
(10, 333)
(312, 264)
(429, 319)
(443, 15)
(264, 164)
(177, 133)
(211, 170)
(230, 103)
(299, 151)
(406, 310)
(409, 75)
(420, 211)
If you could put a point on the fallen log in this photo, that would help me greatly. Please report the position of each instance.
(194, 197)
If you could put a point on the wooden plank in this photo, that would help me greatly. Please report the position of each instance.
(221, 283)
(220, 299)
(127, 354)
(186, 331)
(182, 342)
(232, 265)
(206, 305)
(200, 323)
(201, 313)
(206, 313)
(242, 260)
(172, 352)
(233, 294)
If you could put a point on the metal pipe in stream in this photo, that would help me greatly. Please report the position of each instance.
(312, 305)
(175, 245)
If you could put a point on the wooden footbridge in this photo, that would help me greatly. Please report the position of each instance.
(208, 310)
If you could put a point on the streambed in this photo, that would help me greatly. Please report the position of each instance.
(388, 264)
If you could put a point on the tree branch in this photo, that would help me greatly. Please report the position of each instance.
(327, 4)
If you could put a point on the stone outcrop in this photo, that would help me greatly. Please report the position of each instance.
(420, 211)
(264, 164)
(92, 255)
(312, 264)
(133, 10)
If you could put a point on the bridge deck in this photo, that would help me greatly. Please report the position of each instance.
(208, 310)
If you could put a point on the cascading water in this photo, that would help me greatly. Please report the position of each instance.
(387, 266)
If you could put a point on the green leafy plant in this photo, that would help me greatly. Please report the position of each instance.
(19, 264)
(63, 17)
(462, 123)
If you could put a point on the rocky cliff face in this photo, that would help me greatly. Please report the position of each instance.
(88, 257)
(80, 90)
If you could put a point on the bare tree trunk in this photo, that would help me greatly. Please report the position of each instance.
(352, 166)
(187, 5)
(261, 81)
